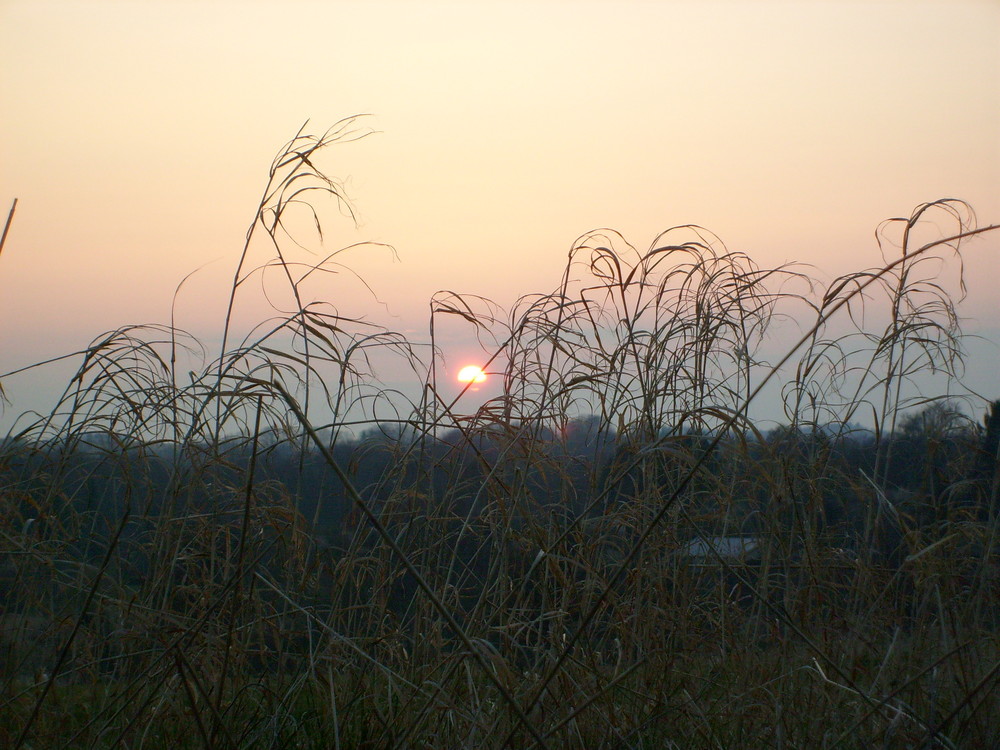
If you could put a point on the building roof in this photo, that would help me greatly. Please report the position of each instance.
(726, 547)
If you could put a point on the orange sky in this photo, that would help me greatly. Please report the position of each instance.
(137, 136)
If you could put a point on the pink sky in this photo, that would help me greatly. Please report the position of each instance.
(137, 137)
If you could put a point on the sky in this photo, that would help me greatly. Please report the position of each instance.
(136, 137)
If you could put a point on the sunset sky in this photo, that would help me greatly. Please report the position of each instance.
(137, 138)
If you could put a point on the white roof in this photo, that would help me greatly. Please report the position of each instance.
(726, 546)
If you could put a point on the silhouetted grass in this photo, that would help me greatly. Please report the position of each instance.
(212, 557)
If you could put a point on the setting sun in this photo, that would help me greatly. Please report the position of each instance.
(471, 374)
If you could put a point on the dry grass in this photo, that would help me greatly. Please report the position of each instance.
(513, 577)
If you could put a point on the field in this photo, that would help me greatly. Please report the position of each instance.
(270, 548)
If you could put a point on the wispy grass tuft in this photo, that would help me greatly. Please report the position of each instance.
(265, 546)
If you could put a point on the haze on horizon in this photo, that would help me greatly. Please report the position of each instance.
(137, 138)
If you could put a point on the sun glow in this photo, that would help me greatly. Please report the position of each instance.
(471, 374)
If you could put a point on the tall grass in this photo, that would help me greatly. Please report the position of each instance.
(209, 556)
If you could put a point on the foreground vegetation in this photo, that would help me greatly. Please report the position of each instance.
(271, 548)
